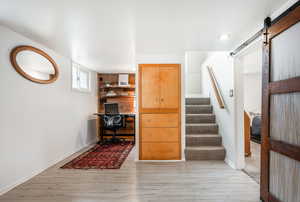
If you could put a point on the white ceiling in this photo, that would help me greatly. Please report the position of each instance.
(107, 35)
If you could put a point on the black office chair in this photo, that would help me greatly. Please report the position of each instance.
(256, 129)
(112, 120)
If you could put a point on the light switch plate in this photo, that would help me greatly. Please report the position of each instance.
(231, 93)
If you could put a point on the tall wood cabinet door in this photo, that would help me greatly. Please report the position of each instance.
(149, 87)
(169, 86)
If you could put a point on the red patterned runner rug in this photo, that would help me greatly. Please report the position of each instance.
(109, 156)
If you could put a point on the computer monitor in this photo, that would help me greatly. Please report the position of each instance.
(111, 108)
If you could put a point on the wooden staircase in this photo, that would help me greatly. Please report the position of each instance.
(203, 141)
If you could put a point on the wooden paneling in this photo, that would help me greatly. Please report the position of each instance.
(169, 81)
(160, 135)
(247, 134)
(159, 120)
(159, 84)
(149, 88)
(285, 86)
(285, 23)
(125, 97)
(160, 151)
(160, 111)
(280, 174)
(126, 104)
(264, 180)
(290, 150)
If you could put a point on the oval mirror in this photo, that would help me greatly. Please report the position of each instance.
(34, 64)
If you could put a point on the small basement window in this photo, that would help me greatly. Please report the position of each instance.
(81, 78)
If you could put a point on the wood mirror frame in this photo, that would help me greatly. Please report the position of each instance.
(13, 60)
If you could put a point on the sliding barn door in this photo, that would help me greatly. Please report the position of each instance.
(280, 174)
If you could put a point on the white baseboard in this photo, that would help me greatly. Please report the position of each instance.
(20, 181)
(230, 163)
(35, 173)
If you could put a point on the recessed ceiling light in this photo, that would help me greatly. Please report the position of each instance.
(224, 37)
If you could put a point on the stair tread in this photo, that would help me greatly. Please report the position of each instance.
(198, 97)
(204, 148)
(200, 134)
(203, 135)
(197, 105)
(197, 101)
(201, 124)
(204, 114)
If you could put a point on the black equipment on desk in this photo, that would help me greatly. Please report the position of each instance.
(111, 108)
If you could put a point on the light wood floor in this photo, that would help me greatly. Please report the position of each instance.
(206, 181)
(253, 162)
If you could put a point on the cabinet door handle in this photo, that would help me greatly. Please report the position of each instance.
(162, 99)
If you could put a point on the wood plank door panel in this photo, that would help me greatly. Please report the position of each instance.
(160, 151)
(160, 120)
(247, 136)
(280, 152)
(160, 135)
(170, 82)
(159, 112)
(149, 87)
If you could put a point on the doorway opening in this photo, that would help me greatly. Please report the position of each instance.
(250, 91)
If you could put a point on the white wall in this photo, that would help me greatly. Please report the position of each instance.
(222, 65)
(39, 124)
(243, 71)
(252, 92)
(252, 68)
(193, 60)
(247, 68)
(230, 119)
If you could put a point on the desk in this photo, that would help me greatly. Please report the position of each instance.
(125, 118)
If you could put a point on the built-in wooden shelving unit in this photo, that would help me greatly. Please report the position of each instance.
(118, 87)
(109, 91)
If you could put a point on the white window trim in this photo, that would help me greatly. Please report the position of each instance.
(78, 69)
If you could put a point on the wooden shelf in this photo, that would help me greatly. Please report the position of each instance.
(117, 87)
(118, 96)
(124, 95)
